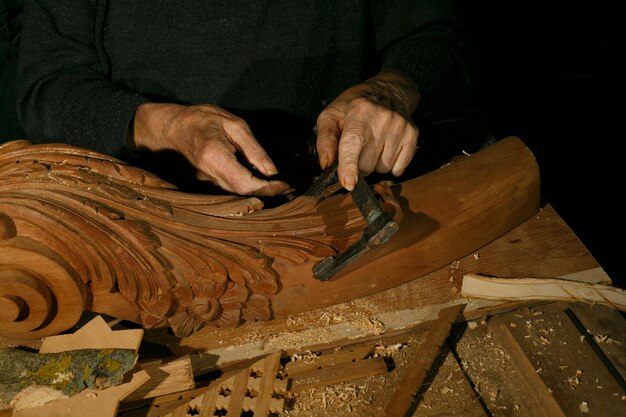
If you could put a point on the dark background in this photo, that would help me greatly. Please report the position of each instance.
(548, 72)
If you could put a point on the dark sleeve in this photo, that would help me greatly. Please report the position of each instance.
(64, 93)
(424, 40)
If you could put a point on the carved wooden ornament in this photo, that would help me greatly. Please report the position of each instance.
(83, 231)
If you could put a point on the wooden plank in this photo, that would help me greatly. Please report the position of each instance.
(402, 399)
(542, 402)
(517, 289)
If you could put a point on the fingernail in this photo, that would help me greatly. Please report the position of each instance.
(349, 182)
(269, 167)
(323, 161)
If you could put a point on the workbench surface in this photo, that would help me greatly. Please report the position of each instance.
(575, 351)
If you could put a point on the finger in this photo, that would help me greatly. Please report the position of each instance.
(235, 178)
(328, 133)
(399, 135)
(241, 136)
(351, 143)
(405, 156)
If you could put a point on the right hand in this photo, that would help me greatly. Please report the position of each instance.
(209, 137)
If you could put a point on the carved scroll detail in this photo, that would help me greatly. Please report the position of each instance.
(81, 230)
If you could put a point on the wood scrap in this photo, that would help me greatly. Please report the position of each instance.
(492, 288)
(94, 337)
(96, 334)
(68, 372)
(402, 400)
(90, 403)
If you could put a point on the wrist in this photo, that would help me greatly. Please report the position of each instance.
(150, 126)
(392, 89)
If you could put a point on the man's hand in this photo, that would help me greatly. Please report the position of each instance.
(370, 126)
(209, 137)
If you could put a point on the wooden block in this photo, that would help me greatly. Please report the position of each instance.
(165, 378)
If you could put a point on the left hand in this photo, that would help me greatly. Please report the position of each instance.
(369, 126)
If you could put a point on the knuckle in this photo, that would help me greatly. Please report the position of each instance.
(362, 103)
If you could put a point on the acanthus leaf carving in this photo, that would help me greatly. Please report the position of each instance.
(181, 260)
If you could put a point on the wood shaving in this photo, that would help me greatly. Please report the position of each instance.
(339, 398)
(386, 351)
(584, 407)
(574, 381)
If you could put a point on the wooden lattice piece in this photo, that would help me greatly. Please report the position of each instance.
(83, 231)
(251, 390)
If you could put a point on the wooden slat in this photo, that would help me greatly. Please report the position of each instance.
(270, 368)
(209, 402)
(338, 373)
(343, 355)
(238, 393)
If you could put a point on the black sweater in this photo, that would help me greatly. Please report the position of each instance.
(85, 65)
